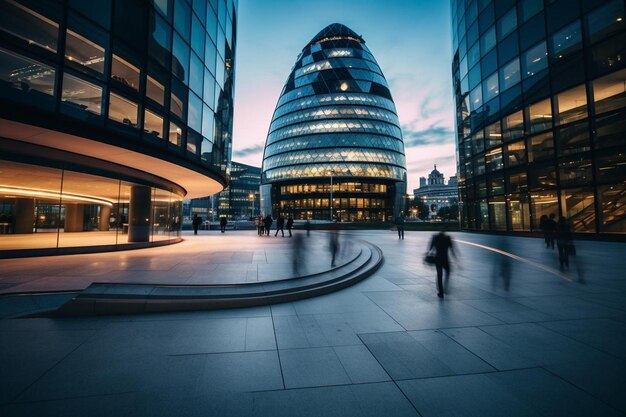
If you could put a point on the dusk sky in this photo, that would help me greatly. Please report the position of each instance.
(410, 39)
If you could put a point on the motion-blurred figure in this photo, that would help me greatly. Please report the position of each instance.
(543, 226)
(268, 224)
(297, 254)
(223, 223)
(196, 223)
(280, 225)
(400, 226)
(502, 270)
(550, 231)
(334, 243)
(564, 241)
(441, 244)
(290, 224)
(307, 226)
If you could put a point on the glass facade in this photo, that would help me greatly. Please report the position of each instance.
(141, 89)
(540, 107)
(334, 147)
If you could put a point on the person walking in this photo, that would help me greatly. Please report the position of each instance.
(280, 225)
(564, 241)
(196, 223)
(268, 224)
(400, 226)
(550, 231)
(441, 244)
(260, 223)
(223, 223)
(543, 226)
(307, 226)
(334, 243)
(290, 225)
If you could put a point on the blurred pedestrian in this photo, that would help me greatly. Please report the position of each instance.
(543, 226)
(195, 222)
(334, 243)
(223, 223)
(268, 224)
(307, 226)
(564, 241)
(400, 226)
(298, 250)
(290, 225)
(258, 220)
(280, 225)
(441, 244)
(550, 231)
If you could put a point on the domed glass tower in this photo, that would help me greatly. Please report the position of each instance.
(334, 147)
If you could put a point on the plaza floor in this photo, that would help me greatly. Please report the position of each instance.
(513, 336)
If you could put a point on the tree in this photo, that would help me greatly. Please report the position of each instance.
(450, 213)
(421, 207)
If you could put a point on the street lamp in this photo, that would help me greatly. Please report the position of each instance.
(251, 198)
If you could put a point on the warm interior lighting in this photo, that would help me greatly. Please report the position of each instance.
(35, 193)
(619, 19)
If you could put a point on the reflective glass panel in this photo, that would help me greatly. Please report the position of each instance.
(510, 74)
(609, 93)
(124, 72)
(540, 116)
(80, 96)
(572, 105)
(122, 110)
(28, 25)
(153, 124)
(534, 60)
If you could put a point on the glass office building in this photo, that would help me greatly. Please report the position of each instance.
(111, 112)
(540, 89)
(334, 144)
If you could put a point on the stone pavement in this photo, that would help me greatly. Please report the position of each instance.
(513, 336)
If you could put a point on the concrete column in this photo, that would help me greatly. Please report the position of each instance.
(139, 212)
(105, 215)
(74, 217)
(24, 215)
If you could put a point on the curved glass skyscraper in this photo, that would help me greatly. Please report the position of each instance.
(335, 123)
(540, 90)
(110, 113)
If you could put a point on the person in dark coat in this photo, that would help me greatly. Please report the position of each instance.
(290, 225)
(400, 226)
(268, 224)
(280, 225)
(260, 225)
(550, 231)
(543, 226)
(564, 241)
(196, 223)
(223, 223)
(334, 243)
(441, 244)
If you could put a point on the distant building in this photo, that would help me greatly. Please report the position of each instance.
(240, 200)
(435, 193)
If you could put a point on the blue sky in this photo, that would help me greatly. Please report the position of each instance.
(410, 39)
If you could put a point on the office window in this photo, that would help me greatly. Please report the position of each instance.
(18, 82)
(571, 105)
(540, 116)
(534, 60)
(80, 96)
(612, 202)
(28, 25)
(488, 40)
(610, 130)
(510, 74)
(566, 41)
(573, 138)
(543, 203)
(83, 53)
(507, 24)
(518, 208)
(540, 147)
(476, 99)
(493, 135)
(155, 90)
(153, 124)
(490, 87)
(493, 160)
(175, 135)
(122, 110)
(609, 93)
(605, 20)
(515, 153)
(529, 8)
(513, 126)
(578, 207)
(125, 73)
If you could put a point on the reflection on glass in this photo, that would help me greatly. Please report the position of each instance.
(573, 138)
(572, 105)
(162, 221)
(507, 24)
(609, 92)
(28, 25)
(192, 145)
(567, 41)
(124, 72)
(605, 20)
(513, 126)
(80, 96)
(488, 40)
(534, 60)
(515, 153)
(23, 74)
(497, 213)
(490, 87)
(493, 160)
(194, 112)
(510, 74)
(476, 99)
(122, 110)
(153, 124)
(610, 130)
(519, 212)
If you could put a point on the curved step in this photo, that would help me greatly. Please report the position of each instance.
(107, 298)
